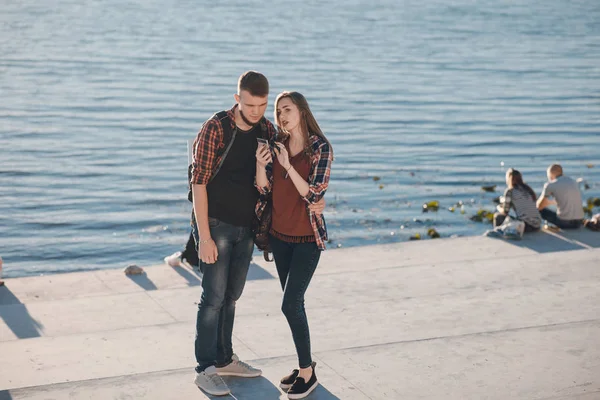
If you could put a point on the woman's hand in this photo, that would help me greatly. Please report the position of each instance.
(282, 156)
(263, 156)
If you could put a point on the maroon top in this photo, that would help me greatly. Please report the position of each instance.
(291, 222)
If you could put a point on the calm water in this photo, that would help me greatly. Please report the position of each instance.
(99, 99)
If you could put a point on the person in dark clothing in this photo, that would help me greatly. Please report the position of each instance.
(188, 255)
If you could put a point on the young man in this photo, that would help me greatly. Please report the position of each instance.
(224, 207)
(567, 199)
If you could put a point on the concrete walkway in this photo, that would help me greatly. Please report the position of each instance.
(467, 318)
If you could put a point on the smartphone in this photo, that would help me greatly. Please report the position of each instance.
(262, 141)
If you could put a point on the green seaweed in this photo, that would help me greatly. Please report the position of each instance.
(482, 215)
(431, 206)
(432, 233)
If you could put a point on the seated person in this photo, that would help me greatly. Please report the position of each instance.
(567, 199)
(520, 197)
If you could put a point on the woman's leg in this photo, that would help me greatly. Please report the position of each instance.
(282, 254)
(529, 228)
(498, 219)
(304, 261)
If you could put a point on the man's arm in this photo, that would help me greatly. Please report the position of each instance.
(543, 200)
(207, 248)
(204, 158)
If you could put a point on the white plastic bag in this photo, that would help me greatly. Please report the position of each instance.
(510, 229)
(513, 229)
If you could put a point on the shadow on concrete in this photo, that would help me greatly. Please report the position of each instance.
(16, 316)
(321, 393)
(583, 236)
(545, 242)
(256, 272)
(143, 281)
(193, 278)
(5, 395)
(250, 389)
(262, 388)
(565, 240)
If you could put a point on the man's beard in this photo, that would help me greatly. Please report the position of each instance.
(251, 124)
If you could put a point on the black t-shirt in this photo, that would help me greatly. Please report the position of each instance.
(231, 194)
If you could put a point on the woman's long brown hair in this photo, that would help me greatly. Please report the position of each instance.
(516, 181)
(308, 123)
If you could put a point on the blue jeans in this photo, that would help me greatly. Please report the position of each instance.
(551, 216)
(222, 284)
(296, 264)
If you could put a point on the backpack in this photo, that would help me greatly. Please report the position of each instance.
(228, 138)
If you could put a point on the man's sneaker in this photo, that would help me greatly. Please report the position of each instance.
(174, 260)
(239, 368)
(287, 381)
(209, 381)
(301, 389)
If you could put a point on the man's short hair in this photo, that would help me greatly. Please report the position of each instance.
(556, 170)
(255, 83)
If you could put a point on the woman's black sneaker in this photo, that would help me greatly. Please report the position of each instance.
(287, 381)
(301, 389)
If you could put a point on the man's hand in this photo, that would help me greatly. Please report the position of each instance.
(208, 252)
(318, 207)
(544, 202)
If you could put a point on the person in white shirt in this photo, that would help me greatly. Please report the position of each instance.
(567, 199)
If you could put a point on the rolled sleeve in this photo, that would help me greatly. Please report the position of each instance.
(319, 179)
(546, 191)
(207, 143)
(263, 190)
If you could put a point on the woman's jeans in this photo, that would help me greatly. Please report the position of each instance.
(222, 284)
(500, 218)
(296, 264)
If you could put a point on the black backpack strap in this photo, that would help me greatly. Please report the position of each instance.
(228, 139)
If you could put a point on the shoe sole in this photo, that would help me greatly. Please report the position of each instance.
(287, 386)
(305, 394)
(254, 375)
(212, 392)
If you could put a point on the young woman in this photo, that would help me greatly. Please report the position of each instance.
(295, 169)
(520, 197)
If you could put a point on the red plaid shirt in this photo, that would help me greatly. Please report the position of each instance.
(207, 144)
(318, 182)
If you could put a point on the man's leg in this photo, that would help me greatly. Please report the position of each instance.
(549, 216)
(214, 285)
(569, 224)
(241, 255)
(227, 362)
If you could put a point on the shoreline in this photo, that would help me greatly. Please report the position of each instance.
(574, 240)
